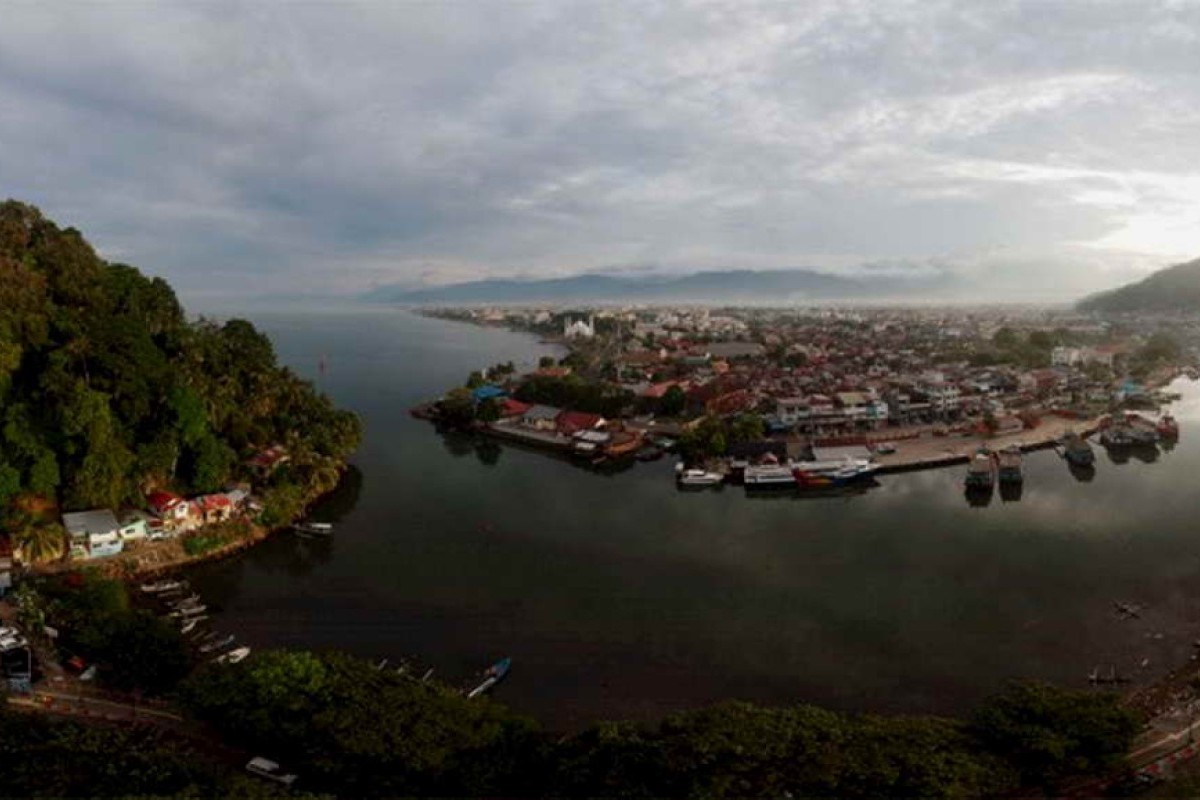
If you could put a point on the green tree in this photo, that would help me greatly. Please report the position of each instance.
(39, 542)
(1048, 733)
(673, 402)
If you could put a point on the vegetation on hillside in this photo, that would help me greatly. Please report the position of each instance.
(1176, 288)
(354, 730)
(106, 389)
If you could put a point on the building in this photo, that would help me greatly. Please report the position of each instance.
(541, 418)
(579, 329)
(93, 534)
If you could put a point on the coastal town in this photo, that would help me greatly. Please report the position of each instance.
(826, 397)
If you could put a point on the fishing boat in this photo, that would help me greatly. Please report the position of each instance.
(188, 611)
(696, 477)
(981, 472)
(311, 529)
(493, 675)
(159, 587)
(233, 656)
(1077, 451)
(1009, 466)
(218, 644)
(191, 599)
(1167, 427)
(188, 624)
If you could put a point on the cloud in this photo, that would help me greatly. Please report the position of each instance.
(236, 148)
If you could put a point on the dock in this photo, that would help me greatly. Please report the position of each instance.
(943, 451)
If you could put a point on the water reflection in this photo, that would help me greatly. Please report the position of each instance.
(978, 496)
(1011, 492)
(1082, 473)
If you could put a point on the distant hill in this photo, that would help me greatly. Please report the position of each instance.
(1175, 288)
(718, 286)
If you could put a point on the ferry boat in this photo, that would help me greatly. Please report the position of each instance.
(767, 476)
(1009, 466)
(832, 473)
(494, 674)
(981, 472)
(1077, 451)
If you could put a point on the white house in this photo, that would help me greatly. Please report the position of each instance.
(94, 533)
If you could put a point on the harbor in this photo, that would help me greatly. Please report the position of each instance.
(618, 596)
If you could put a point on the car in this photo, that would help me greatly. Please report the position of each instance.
(884, 448)
(266, 768)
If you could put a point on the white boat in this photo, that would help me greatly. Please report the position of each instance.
(233, 656)
(698, 477)
(218, 644)
(188, 624)
(162, 586)
(188, 612)
(182, 602)
(769, 475)
(313, 528)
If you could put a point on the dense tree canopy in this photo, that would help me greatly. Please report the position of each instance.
(106, 389)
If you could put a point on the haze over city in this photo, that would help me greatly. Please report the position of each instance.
(1040, 151)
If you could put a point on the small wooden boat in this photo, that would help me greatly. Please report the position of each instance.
(233, 656)
(494, 674)
(158, 587)
(188, 624)
(313, 529)
(218, 644)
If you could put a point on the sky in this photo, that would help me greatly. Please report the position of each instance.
(1029, 151)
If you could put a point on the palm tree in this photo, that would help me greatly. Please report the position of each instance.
(40, 542)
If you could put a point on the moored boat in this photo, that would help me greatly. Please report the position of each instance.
(696, 477)
(1167, 427)
(158, 587)
(981, 472)
(218, 644)
(493, 675)
(767, 476)
(233, 656)
(832, 472)
(313, 528)
(1009, 466)
(1077, 451)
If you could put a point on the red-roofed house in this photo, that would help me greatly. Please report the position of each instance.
(571, 422)
(168, 506)
(511, 407)
(213, 507)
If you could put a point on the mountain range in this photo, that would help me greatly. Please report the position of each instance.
(1175, 288)
(724, 286)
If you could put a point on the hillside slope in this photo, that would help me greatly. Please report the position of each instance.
(107, 390)
(1175, 288)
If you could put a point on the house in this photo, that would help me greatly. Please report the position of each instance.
(727, 350)
(6, 565)
(213, 507)
(487, 392)
(541, 418)
(133, 528)
(571, 422)
(266, 461)
(169, 507)
(93, 534)
(791, 410)
(511, 407)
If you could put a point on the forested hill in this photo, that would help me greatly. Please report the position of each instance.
(106, 390)
(1175, 288)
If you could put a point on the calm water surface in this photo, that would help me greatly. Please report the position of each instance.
(619, 597)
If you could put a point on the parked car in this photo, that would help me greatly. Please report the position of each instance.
(265, 768)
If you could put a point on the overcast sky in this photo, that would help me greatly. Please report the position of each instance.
(1041, 149)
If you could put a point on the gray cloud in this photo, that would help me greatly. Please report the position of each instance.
(1042, 149)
